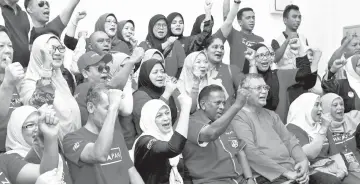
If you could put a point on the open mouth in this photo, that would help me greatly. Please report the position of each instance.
(262, 98)
(47, 13)
(218, 55)
(166, 124)
(112, 29)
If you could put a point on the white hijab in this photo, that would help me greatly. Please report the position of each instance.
(15, 142)
(300, 113)
(353, 77)
(65, 105)
(149, 127)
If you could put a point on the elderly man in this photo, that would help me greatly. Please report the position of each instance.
(273, 152)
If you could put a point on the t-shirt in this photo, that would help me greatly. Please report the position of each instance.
(239, 42)
(212, 162)
(113, 171)
(56, 26)
(10, 167)
(18, 26)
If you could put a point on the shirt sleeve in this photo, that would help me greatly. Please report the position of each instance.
(56, 25)
(219, 35)
(195, 127)
(32, 157)
(197, 41)
(299, 133)
(74, 144)
(275, 45)
(70, 42)
(258, 161)
(13, 166)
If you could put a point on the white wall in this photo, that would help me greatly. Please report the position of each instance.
(322, 22)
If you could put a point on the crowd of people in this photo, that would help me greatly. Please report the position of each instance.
(167, 110)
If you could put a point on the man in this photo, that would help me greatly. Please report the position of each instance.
(290, 44)
(97, 152)
(17, 22)
(273, 152)
(212, 145)
(240, 40)
(15, 170)
(39, 11)
(11, 74)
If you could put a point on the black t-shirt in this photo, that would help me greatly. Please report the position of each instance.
(56, 27)
(10, 166)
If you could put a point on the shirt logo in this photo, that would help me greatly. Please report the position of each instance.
(3, 179)
(351, 94)
(234, 143)
(150, 144)
(113, 157)
(76, 146)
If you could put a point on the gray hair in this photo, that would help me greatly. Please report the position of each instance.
(245, 83)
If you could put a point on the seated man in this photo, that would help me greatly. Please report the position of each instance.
(212, 145)
(97, 152)
(273, 152)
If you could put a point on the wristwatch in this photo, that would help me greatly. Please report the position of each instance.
(252, 178)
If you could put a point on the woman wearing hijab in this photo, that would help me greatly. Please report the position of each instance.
(310, 126)
(194, 42)
(158, 38)
(343, 127)
(46, 58)
(125, 34)
(348, 88)
(258, 60)
(153, 84)
(159, 147)
(194, 77)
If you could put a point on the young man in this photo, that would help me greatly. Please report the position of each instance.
(212, 144)
(240, 40)
(39, 11)
(11, 74)
(17, 22)
(289, 44)
(97, 153)
(274, 154)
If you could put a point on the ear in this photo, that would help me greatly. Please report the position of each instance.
(90, 107)
(284, 20)
(84, 73)
(90, 47)
(202, 105)
(240, 22)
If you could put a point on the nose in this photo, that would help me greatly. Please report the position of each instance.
(222, 106)
(320, 109)
(7, 49)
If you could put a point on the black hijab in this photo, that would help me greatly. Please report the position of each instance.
(151, 38)
(149, 88)
(197, 25)
(270, 78)
(170, 18)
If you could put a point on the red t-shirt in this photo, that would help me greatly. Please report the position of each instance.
(10, 167)
(113, 171)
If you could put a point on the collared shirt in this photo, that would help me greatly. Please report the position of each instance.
(18, 26)
(212, 162)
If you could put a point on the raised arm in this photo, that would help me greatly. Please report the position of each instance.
(279, 53)
(227, 25)
(214, 130)
(226, 9)
(69, 40)
(340, 51)
(250, 56)
(65, 15)
(98, 151)
(329, 82)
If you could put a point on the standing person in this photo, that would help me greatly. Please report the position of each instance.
(39, 11)
(17, 22)
(274, 154)
(290, 44)
(240, 40)
(97, 152)
(158, 38)
(46, 58)
(194, 42)
(159, 145)
(11, 75)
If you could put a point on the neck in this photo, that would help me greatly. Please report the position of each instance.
(252, 108)
(214, 65)
(90, 126)
(248, 32)
(289, 30)
(11, 4)
(37, 23)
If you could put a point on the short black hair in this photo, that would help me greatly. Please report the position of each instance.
(210, 40)
(205, 92)
(26, 4)
(4, 29)
(288, 8)
(242, 10)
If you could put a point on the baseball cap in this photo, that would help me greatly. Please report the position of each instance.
(91, 58)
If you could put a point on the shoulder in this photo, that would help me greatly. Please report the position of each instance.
(79, 134)
(139, 94)
(146, 141)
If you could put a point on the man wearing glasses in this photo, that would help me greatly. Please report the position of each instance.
(39, 11)
(273, 152)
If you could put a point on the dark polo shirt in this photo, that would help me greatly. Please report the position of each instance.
(19, 27)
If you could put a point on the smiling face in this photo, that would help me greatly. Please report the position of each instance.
(215, 51)
(160, 29)
(337, 109)
(157, 75)
(6, 51)
(57, 51)
(29, 128)
(110, 26)
(177, 26)
(163, 120)
(97, 73)
(316, 110)
(128, 31)
(262, 58)
(39, 10)
(201, 65)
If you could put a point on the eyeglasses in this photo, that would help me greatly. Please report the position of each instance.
(60, 48)
(29, 126)
(109, 22)
(43, 3)
(266, 55)
(160, 25)
(100, 68)
(260, 87)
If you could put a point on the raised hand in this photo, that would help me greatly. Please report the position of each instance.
(115, 97)
(338, 63)
(170, 85)
(138, 54)
(250, 54)
(242, 96)
(208, 6)
(185, 101)
(133, 41)
(80, 15)
(172, 39)
(14, 73)
(294, 43)
(83, 34)
(48, 122)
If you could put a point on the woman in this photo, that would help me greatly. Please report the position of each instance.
(348, 88)
(310, 126)
(125, 34)
(46, 58)
(172, 50)
(194, 77)
(343, 127)
(258, 61)
(194, 42)
(21, 127)
(153, 84)
(159, 147)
